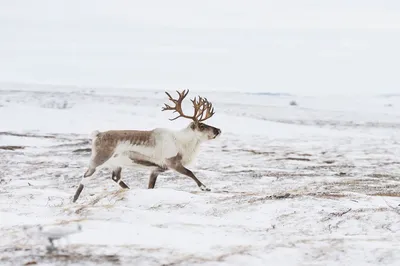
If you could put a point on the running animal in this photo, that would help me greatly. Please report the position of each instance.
(159, 149)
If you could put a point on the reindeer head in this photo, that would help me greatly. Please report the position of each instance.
(203, 110)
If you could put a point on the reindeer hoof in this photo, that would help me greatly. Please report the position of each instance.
(204, 188)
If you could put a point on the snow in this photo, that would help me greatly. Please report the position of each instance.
(313, 184)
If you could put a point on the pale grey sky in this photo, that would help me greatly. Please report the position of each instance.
(300, 47)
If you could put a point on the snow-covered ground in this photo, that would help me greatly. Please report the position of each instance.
(312, 184)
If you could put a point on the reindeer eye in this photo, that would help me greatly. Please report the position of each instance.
(201, 126)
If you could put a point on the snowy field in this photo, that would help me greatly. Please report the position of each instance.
(312, 184)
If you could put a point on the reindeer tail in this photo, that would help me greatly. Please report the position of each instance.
(94, 134)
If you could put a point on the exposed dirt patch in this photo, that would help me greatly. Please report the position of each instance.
(74, 144)
(192, 259)
(12, 148)
(324, 166)
(31, 263)
(386, 194)
(327, 195)
(85, 150)
(69, 258)
(377, 175)
(291, 196)
(294, 159)
(289, 174)
(26, 135)
(272, 197)
(256, 152)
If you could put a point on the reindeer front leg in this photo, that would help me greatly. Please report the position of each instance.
(175, 163)
(183, 170)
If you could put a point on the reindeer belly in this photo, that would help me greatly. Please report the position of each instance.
(133, 155)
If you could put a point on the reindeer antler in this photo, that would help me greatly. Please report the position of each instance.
(200, 106)
(204, 109)
(178, 105)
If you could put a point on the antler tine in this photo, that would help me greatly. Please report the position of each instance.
(207, 110)
(167, 107)
(183, 94)
(197, 105)
(178, 105)
(202, 108)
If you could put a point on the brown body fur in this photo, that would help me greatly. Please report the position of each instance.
(105, 143)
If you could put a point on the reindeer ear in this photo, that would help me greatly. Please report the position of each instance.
(192, 126)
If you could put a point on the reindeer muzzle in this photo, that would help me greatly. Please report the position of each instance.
(217, 132)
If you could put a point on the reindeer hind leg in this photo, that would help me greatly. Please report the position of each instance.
(153, 176)
(78, 192)
(97, 160)
(116, 177)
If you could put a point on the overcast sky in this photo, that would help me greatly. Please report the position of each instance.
(300, 47)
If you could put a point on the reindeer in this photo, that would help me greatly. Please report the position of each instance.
(159, 149)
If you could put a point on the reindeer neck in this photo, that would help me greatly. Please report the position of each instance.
(188, 144)
(186, 136)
